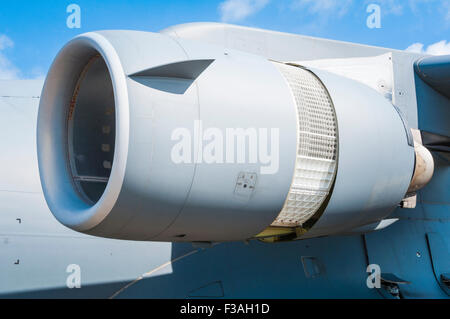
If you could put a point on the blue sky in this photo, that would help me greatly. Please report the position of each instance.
(32, 32)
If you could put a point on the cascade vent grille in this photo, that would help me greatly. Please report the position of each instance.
(317, 144)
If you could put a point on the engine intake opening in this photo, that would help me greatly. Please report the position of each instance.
(91, 130)
(83, 132)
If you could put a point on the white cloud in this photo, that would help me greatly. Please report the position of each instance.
(416, 48)
(438, 48)
(397, 7)
(340, 7)
(5, 42)
(417, 7)
(7, 70)
(236, 10)
(394, 7)
(446, 10)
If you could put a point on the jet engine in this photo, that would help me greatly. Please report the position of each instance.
(142, 136)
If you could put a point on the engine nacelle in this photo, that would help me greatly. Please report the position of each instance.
(144, 137)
